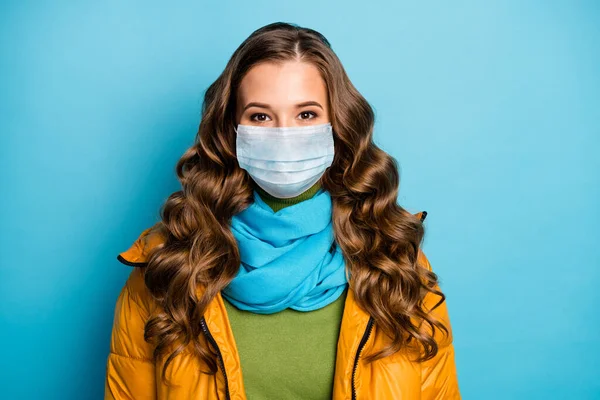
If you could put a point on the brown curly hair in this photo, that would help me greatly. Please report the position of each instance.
(379, 239)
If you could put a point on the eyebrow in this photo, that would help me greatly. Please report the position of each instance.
(299, 105)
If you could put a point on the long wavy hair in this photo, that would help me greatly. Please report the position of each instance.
(379, 239)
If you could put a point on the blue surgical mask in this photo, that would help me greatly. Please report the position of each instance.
(285, 161)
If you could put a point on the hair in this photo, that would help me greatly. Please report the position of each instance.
(380, 240)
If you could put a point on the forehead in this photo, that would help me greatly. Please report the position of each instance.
(281, 83)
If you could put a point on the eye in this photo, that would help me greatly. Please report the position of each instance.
(308, 112)
(260, 115)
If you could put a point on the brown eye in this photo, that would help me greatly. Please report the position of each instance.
(261, 119)
(308, 113)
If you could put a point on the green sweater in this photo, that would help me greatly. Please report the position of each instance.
(289, 354)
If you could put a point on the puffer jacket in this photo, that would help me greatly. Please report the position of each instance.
(131, 373)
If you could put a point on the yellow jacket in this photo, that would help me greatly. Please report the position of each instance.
(131, 373)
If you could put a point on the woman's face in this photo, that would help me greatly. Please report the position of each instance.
(292, 93)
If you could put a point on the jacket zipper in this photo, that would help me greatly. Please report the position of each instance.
(362, 343)
(220, 357)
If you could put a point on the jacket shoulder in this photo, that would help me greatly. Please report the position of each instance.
(437, 307)
(136, 256)
(138, 291)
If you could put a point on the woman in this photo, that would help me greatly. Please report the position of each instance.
(284, 268)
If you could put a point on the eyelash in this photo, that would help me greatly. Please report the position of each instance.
(315, 115)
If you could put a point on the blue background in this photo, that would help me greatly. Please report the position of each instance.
(491, 108)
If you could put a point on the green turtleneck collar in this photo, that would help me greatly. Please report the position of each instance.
(277, 203)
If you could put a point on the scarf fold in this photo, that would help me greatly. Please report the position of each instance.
(289, 258)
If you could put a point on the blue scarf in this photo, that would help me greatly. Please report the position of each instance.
(289, 258)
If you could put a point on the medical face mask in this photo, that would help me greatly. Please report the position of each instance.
(285, 161)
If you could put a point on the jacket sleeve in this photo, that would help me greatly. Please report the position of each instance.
(438, 375)
(129, 368)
